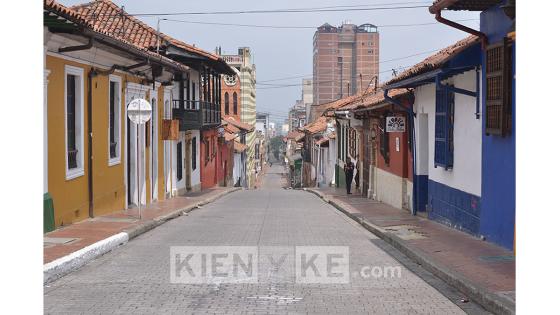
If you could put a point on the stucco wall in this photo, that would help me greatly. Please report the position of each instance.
(389, 188)
(466, 172)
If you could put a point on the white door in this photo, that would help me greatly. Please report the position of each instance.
(178, 168)
(154, 144)
(167, 146)
(132, 161)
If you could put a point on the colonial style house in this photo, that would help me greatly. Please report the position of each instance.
(497, 34)
(447, 133)
(386, 148)
(95, 65)
(90, 145)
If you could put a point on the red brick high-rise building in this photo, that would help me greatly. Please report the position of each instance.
(340, 55)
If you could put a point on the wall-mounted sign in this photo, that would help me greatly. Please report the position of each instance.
(395, 124)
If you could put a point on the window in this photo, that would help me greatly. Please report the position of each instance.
(443, 147)
(235, 103)
(226, 103)
(179, 160)
(193, 150)
(498, 88)
(74, 90)
(206, 150)
(352, 142)
(114, 120)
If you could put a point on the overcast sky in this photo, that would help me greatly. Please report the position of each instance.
(280, 53)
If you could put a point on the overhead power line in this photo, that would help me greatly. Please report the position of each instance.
(293, 10)
(328, 81)
(298, 26)
(306, 75)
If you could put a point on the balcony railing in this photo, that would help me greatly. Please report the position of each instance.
(196, 114)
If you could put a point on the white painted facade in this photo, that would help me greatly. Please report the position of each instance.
(466, 172)
(195, 173)
(134, 90)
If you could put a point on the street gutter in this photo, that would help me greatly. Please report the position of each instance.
(489, 300)
(64, 265)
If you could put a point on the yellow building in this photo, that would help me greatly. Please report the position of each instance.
(90, 144)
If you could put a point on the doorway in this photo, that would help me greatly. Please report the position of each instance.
(154, 161)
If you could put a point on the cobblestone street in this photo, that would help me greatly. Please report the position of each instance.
(135, 278)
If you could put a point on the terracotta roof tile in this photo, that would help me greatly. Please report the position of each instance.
(322, 140)
(458, 5)
(106, 16)
(319, 125)
(98, 27)
(372, 99)
(295, 135)
(238, 124)
(436, 60)
(229, 136)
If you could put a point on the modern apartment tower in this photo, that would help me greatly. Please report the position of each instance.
(345, 60)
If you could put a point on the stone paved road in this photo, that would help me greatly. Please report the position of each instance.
(136, 277)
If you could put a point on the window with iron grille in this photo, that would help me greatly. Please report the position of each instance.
(74, 121)
(193, 150)
(206, 150)
(71, 120)
(445, 109)
(114, 119)
(352, 142)
(384, 140)
(179, 160)
(498, 88)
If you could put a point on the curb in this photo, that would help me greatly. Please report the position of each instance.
(489, 300)
(64, 265)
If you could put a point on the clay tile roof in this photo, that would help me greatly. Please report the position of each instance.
(239, 147)
(238, 124)
(229, 136)
(107, 16)
(77, 15)
(458, 5)
(319, 125)
(436, 60)
(229, 127)
(295, 135)
(322, 140)
(372, 99)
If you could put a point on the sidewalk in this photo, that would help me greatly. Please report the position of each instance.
(483, 271)
(73, 238)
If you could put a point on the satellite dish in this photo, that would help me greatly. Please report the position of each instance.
(139, 111)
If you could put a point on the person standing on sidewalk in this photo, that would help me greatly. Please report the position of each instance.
(349, 172)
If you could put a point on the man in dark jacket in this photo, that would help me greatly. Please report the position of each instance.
(349, 172)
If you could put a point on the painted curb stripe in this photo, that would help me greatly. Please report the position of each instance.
(64, 265)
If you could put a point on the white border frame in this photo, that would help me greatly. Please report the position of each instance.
(116, 160)
(79, 171)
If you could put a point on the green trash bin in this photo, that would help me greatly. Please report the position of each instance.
(48, 213)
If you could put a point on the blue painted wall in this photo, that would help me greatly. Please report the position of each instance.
(454, 207)
(497, 217)
(421, 189)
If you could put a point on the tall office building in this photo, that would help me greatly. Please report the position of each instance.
(345, 60)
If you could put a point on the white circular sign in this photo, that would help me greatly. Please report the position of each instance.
(139, 111)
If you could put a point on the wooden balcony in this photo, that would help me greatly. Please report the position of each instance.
(196, 115)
